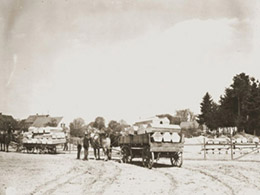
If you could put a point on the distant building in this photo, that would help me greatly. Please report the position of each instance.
(30, 120)
(153, 120)
(146, 125)
(43, 121)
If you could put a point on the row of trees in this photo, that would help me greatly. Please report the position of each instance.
(78, 126)
(239, 106)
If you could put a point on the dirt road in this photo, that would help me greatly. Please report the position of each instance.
(63, 174)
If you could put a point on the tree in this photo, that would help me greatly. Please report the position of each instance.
(185, 115)
(227, 109)
(239, 106)
(241, 91)
(233, 104)
(99, 123)
(253, 109)
(77, 127)
(209, 110)
(115, 127)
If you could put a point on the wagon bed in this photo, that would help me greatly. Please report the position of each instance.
(151, 148)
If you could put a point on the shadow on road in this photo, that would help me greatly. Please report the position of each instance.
(155, 165)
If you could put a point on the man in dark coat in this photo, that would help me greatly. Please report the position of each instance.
(8, 137)
(86, 146)
(79, 147)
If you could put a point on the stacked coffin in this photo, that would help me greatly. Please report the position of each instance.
(160, 129)
(44, 135)
(166, 137)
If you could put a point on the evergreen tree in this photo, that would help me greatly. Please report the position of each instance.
(233, 104)
(227, 109)
(253, 109)
(209, 112)
(239, 106)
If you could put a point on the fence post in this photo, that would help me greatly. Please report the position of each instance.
(231, 146)
(204, 148)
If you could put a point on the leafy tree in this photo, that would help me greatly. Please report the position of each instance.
(185, 115)
(115, 127)
(99, 123)
(77, 127)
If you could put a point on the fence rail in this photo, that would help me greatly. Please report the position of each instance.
(231, 147)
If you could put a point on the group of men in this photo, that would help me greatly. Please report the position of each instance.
(85, 144)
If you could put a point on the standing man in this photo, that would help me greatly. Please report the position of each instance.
(65, 148)
(79, 146)
(86, 146)
(8, 137)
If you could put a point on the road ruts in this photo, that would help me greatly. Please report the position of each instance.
(189, 179)
(135, 179)
(215, 178)
(85, 178)
(49, 187)
(240, 179)
(108, 173)
(173, 182)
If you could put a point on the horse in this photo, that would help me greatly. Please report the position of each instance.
(114, 137)
(99, 141)
(2, 141)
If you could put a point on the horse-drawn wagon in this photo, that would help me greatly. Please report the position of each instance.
(43, 140)
(153, 142)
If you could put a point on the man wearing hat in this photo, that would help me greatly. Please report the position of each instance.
(86, 145)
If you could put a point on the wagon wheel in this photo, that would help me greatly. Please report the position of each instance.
(42, 150)
(126, 154)
(177, 159)
(55, 150)
(29, 149)
(147, 157)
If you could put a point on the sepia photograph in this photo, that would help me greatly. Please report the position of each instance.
(112, 97)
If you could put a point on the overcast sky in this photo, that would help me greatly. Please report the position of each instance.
(122, 59)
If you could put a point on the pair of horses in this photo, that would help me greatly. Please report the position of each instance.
(102, 140)
(5, 139)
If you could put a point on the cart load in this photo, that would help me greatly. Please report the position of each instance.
(152, 139)
(43, 138)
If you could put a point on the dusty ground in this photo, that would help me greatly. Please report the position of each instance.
(22, 173)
